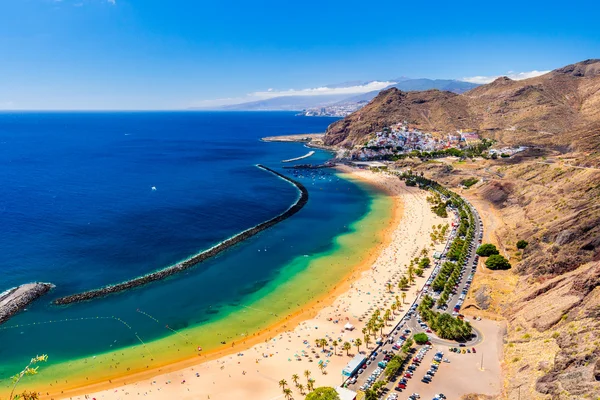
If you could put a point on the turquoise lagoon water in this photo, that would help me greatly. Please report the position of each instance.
(78, 210)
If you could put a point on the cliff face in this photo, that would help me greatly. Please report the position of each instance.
(546, 110)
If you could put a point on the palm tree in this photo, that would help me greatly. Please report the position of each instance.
(322, 368)
(358, 343)
(287, 393)
(347, 346)
(310, 385)
(307, 375)
(335, 344)
(393, 306)
(295, 378)
(411, 274)
(283, 383)
(403, 297)
(322, 343)
(367, 340)
(301, 389)
(387, 315)
(403, 283)
(389, 287)
(318, 342)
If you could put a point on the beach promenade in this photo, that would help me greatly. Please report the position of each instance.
(255, 372)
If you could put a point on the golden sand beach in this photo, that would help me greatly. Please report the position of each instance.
(253, 369)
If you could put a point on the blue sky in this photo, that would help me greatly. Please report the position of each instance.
(150, 54)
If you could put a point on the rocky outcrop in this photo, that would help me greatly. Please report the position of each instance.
(17, 299)
(192, 261)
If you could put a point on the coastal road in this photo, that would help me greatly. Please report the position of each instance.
(409, 320)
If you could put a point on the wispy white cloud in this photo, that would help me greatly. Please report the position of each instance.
(317, 91)
(113, 2)
(324, 90)
(517, 76)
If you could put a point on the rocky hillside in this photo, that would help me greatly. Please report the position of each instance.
(551, 296)
(547, 110)
(432, 110)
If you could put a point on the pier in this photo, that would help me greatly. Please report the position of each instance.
(198, 258)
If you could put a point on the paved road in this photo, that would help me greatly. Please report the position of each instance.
(378, 355)
(464, 284)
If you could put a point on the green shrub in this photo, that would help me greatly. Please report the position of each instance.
(486, 250)
(469, 182)
(421, 338)
(521, 244)
(496, 261)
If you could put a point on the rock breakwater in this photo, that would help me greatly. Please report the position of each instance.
(194, 260)
(17, 299)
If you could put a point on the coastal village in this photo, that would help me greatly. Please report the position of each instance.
(402, 139)
(336, 110)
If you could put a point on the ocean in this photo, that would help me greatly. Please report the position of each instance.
(90, 199)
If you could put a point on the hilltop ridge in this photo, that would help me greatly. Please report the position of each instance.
(549, 110)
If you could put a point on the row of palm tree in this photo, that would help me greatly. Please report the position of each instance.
(310, 385)
(345, 346)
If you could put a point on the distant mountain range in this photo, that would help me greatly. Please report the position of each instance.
(417, 85)
(298, 103)
(287, 103)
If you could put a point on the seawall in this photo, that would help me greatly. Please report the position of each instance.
(17, 299)
(310, 153)
(194, 260)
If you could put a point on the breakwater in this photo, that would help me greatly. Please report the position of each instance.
(16, 299)
(198, 258)
(310, 153)
(327, 164)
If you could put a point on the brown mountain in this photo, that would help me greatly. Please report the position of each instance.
(432, 110)
(547, 110)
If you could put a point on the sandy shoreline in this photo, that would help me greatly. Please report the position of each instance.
(225, 374)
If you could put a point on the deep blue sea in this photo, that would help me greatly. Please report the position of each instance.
(77, 209)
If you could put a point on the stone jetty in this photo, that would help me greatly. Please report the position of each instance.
(17, 299)
(194, 260)
(310, 153)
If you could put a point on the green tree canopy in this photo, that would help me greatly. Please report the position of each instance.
(521, 244)
(421, 338)
(469, 182)
(323, 393)
(487, 249)
(496, 261)
(370, 394)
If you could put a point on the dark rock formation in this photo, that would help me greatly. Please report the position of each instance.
(192, 261)
(16, 299)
